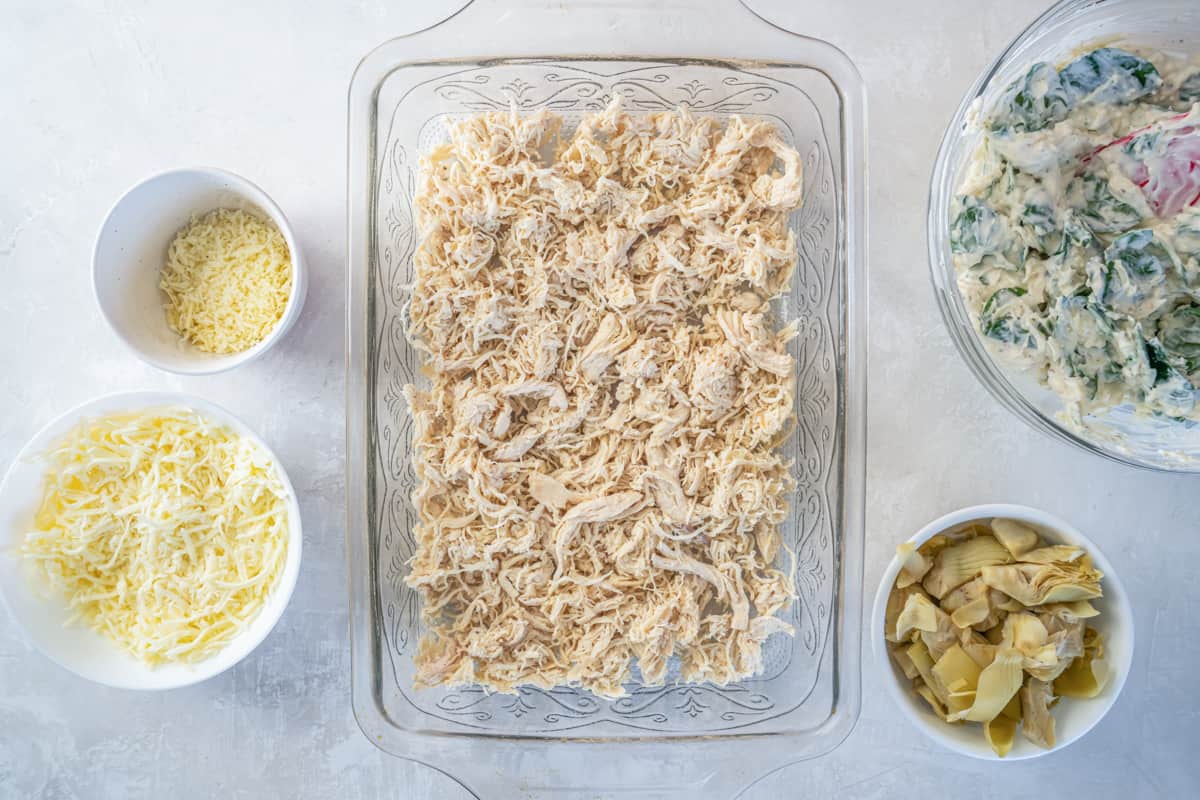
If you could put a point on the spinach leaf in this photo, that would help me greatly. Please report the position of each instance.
(1076, 236)
(1187, 232)
(1144, 146)
(1082, 335)
(1079, 323)
(971, 228)
(1044, 96)
(1074, 255)
(1185, 240)
(1109, 75)
(1004, 327)
(1158, 360)
(1002, 297)
(1009, 331)
(978, 231)
(1140, 254)
(1179, 332)
(1032, 102)
(1039, 217)
(1100, 208)
(1189, 90)
(1077, 366)
(1172, 391)
(1135, 272)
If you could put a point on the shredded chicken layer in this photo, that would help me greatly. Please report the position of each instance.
(598, 484)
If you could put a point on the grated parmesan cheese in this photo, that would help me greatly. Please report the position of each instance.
(227, 280)
(164, 530)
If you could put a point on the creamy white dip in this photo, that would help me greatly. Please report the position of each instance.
(1076, 230)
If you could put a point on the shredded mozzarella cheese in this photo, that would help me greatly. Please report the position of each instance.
(164, 530)
(227, 280)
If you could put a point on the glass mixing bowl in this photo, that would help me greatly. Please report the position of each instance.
(1119, 434)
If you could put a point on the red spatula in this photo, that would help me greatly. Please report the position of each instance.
(1163, 159)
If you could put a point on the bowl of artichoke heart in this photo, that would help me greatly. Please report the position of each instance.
(147, 540)
(1002, 632)
(198, 271)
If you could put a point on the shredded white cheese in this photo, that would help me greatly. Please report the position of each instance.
(164, 530)
(227, 280)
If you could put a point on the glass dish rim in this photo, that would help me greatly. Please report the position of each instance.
(851, 463)
(942, 278)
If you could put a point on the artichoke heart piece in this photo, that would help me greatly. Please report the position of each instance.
(955, 565)
(1066, 632)
(1079, 609)
(1044, 661)
(935, 545)
(998, 684)
(900, 656)
(1067, 645)
(913, 565)
(1015, 537)
(919, 655)
(1025, 632)
(919, 613)
(1052, 553)
(945, 636)
(1002, 602)
(1001, 732)
(982, 653)
(1013, 709)
(995, 634)
(1087, 675)
(1028, 634)
(973, 613)
(958, 675)
(1037, 584)
(1037, 723)
(895, 604)
(964, 595)
(934, 703)
(975, 605)
(961, 697)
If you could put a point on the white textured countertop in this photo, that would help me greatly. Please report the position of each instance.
(98, 95)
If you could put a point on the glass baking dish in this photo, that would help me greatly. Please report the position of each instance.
(658, 741)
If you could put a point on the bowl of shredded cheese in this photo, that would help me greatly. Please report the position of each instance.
(197, 270)
(147, 540)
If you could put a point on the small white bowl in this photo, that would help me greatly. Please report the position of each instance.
(76, 647)
(1073, 717)
(131, 248)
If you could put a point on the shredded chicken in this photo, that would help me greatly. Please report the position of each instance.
(598, 485)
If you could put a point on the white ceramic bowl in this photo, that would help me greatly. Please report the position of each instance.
(1073, 717)
(131, 248)
(76, 647)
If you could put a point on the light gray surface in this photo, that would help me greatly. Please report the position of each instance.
(97, 96)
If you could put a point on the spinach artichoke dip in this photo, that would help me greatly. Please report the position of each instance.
(1076, 234)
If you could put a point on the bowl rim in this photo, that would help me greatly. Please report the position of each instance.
(927, 723)
(295, 303)
(272, 611)
(982, 364)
